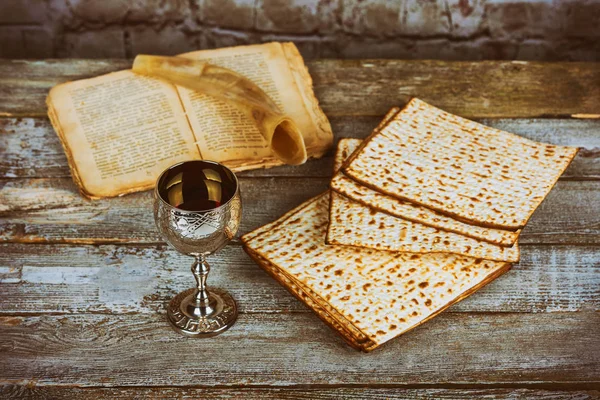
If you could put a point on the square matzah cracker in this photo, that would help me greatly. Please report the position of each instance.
(405, 209)
(369, 296)
(354, 224)
(478, 174)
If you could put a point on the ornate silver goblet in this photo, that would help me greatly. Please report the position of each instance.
(197, 209)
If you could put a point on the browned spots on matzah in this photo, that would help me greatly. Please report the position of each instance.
(376, 200)
(534, 167)
(385, 232)
(365, 282)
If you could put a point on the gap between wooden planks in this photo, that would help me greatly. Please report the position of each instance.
(304, 392)
(117, 279)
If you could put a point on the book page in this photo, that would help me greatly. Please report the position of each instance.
(224, 133)
(320, 136)
(120, 131)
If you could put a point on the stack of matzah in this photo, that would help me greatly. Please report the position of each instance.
(421, 214)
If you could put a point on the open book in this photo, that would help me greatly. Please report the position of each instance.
(121, 130)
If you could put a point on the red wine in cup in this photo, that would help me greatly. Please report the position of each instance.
(197, 186)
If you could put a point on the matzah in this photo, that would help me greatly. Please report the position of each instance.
(407, 210)
(328, 314)
(354, 224)
(368, 296)
(463, 169)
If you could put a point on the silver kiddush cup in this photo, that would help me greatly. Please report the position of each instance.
(197, 209)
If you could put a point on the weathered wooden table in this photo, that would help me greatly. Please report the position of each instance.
(83, 284)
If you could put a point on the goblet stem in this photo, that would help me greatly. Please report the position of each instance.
(200, 269)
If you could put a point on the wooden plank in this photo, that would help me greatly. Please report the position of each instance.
(31, 148)
(297, 349)
(132, 279)
(33, 210)
(51, 211)
(370, 87)
(24, 84)
(349, 393)
(483, 89)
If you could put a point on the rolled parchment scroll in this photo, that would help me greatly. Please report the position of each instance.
(279, 130)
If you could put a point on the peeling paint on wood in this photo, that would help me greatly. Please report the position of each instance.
(85, 319)
(51, 211)
(11, 274)
(32, 150)
(126, 279)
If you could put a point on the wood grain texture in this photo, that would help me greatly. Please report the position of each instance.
(31, 148)
(52, 211)
(83, 284)
(470, 89)
(24, 84)
(132, 279)
(390, 393)
(296, 349)
(495, 89)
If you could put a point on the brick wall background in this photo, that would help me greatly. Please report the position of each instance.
(438, 29)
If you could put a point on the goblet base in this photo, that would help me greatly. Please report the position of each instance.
(213, 317)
